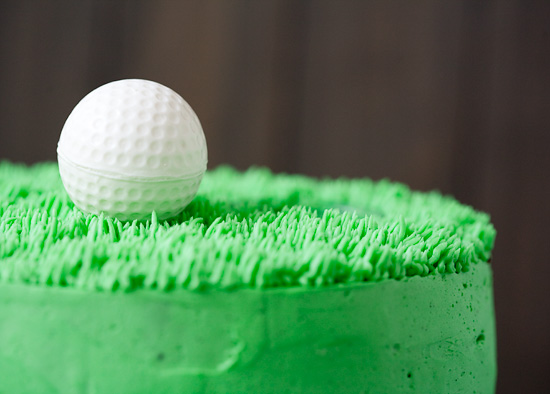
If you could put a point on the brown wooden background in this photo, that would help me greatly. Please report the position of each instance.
(438, 94)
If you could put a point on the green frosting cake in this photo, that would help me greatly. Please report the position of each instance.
(263, 284)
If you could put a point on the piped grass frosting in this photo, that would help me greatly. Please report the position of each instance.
(243, 230)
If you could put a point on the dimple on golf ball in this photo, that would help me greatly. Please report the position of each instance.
(132, 147)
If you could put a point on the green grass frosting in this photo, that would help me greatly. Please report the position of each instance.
(243, 230)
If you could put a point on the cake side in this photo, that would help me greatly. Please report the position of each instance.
(418, 335)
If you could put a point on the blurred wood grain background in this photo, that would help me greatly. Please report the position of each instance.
(441, 95)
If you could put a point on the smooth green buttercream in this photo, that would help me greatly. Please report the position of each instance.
(431, 334)
(255, 230)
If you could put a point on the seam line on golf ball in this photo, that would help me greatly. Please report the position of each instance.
(115, 176)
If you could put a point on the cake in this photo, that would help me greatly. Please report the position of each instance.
(265, 283)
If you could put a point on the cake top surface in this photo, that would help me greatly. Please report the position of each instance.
(243, 230)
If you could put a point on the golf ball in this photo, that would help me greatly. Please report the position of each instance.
(132, 147)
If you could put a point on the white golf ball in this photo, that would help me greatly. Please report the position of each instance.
(132, 147)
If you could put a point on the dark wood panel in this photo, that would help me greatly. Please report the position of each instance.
(43, 72)
(381, 88)
(517, 188)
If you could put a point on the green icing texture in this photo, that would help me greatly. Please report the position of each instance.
(306, 286)
(243, 230)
